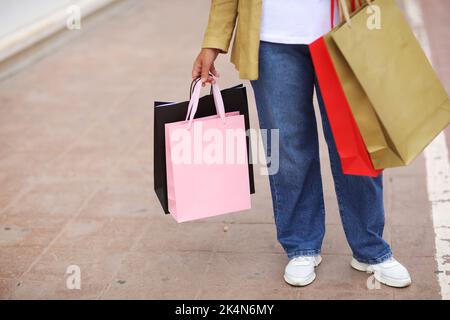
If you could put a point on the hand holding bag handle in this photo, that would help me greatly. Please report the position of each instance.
(194, 82)
(193, 103)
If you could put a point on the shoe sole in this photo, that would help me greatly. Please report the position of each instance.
(300, 283)
(389, 282)
(303, 282)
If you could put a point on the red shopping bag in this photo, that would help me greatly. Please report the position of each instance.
(352, 151)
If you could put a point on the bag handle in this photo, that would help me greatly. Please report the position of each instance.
(340, 10)
(356, 4)
(343, 7)
(194, 82)
(193, 103)
(191, 90)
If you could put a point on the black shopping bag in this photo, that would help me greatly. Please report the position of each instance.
(234, 98)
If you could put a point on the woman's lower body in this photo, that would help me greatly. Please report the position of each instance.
(284, 98)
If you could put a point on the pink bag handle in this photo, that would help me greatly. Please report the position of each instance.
(195, 96)
(193, 103)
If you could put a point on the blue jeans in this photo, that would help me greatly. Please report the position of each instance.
(284, 98)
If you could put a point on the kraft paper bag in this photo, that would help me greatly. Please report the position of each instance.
(382, 151)
(199, 186)
(389, 73)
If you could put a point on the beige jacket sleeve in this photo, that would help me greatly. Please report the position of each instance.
(221, 23)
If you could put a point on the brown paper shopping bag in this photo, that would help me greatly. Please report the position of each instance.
(396, 97)
(382, 151)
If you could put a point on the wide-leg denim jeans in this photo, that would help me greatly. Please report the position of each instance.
(284, 98)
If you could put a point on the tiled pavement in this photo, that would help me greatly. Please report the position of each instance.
(76, 181)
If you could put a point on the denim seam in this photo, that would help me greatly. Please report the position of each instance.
(384, 257)
(342, 208)
(276, 203)
(322, 205)
(304, 253)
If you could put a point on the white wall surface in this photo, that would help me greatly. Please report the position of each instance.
(15, 14)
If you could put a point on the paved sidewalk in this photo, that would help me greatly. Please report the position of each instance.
(76, 181)
(435, 17)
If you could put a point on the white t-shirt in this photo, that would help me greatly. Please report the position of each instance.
(295, 21)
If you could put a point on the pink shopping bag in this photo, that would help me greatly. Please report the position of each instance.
(207, 164)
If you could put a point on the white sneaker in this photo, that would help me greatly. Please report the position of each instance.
(390, 272)
(300, 271)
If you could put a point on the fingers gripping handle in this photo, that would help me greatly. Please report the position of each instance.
(193, 103)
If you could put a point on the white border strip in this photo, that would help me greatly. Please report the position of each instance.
(43, 28)
(438, 170)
